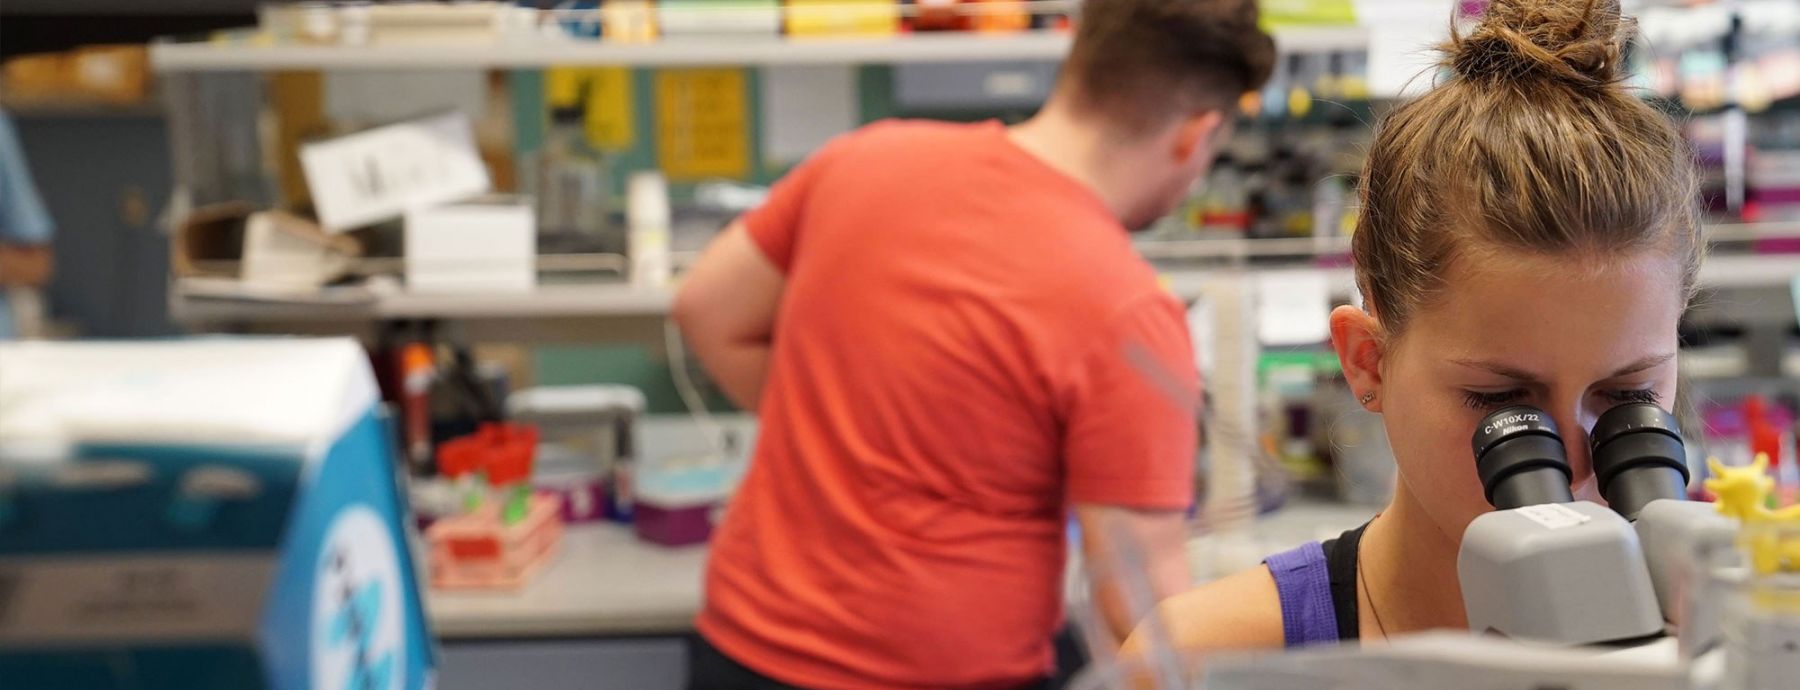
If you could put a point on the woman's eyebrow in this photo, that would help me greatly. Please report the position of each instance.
(1642, 364)
(1499, 369)
(1528, 377)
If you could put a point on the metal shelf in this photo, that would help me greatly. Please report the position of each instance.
(603, 300)
(170, 57)
(547, 301)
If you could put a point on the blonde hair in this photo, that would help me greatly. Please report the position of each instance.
(1533, 145)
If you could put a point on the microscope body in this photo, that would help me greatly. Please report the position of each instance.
(1546, 568)
(1560, 573)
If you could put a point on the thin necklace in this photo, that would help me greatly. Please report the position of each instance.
(1369, 594)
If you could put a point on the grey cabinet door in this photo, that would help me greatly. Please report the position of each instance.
(104, 178)
(655, 663)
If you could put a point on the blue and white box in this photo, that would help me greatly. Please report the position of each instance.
(203, 514)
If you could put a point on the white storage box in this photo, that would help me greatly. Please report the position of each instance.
(482, 245)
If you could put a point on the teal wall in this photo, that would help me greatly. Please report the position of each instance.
(637, 357)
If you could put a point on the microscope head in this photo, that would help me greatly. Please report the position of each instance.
(1543, 566)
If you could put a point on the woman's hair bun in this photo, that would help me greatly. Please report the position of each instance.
(1578, 42)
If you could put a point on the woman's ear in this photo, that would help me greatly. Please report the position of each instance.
(1357, 338)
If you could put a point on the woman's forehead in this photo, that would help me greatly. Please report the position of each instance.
(1536, 311)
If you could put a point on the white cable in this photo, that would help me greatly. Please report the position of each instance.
(690, 394)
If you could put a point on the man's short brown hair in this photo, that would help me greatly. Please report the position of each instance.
(1140, 62)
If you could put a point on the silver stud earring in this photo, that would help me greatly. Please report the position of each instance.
(1368, 397)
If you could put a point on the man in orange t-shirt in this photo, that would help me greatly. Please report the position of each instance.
(952, 347)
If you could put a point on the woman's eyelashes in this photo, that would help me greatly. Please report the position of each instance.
(1483, 400)
(1633, 395)
(1486, 400)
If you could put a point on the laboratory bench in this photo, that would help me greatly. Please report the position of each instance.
(612, 612)
(603, 582)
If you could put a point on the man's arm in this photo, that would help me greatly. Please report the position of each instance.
(726, 309)
(24, 265)
(1131, 409)
(25, 226)
(1135, 558)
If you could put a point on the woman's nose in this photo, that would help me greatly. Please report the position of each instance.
(1575, 447)
(1573, 423)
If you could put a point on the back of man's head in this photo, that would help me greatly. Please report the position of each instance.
(1138, 64)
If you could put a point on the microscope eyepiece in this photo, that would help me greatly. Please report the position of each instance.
(1638, 457)
(1519, 456)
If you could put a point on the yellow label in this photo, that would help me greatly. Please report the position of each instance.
(607, 113)
(702, 125)
(842, 17)
(629, 21)
(562, 86)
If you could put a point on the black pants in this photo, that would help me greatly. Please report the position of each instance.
(710, 669)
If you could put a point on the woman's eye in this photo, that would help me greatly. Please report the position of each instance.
(1486, 401)
(1641, 395)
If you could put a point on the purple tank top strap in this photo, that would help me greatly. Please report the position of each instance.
(1304, 585)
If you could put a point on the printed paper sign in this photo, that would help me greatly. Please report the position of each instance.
(378, 174)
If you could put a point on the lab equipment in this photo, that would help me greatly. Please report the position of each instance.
(1519, 456)
(1730, 588)
(493, 547)
(678, 507)
(582, 490)
(574, 194)
(1545, 567)
(598, 424)
(1638, 457)
(506, 532)
(202, 514)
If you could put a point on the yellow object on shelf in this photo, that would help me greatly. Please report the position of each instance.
(702, 123)
(1771, 538)
(628, 21)
(607, 110)
(842, 17)
(999, 16)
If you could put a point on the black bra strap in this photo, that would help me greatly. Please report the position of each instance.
(1340, 565)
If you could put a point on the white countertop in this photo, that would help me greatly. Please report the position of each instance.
(605, 582)
(602, 582)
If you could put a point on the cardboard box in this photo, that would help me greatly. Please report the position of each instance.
(274, 248)
(106, 74)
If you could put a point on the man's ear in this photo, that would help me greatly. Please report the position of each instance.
(1356, 336)
(1196, 134)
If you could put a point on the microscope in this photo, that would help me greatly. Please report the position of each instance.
(1571, 594)
(1546, 568)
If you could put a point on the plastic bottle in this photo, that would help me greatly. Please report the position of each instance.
(647, 210)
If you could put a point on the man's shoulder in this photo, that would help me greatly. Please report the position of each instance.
(912, 135)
